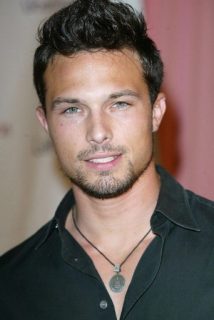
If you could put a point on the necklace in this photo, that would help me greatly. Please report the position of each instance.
(117, 281)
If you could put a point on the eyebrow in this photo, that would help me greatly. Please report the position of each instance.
(60, 100)
(126, 92)
(115, 95)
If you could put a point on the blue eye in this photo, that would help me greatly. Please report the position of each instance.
(121, 105)
(71, 110)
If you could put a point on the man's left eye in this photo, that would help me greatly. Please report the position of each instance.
(121, 105)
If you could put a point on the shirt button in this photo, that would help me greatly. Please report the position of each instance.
(103, 304)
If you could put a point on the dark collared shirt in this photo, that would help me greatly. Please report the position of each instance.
(50, 277)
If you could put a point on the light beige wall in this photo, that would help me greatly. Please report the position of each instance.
(30, 186)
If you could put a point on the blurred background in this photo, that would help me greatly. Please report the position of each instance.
(31, 184)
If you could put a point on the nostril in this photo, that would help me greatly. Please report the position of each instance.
(99, 131)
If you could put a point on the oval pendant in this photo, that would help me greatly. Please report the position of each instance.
(117, 283)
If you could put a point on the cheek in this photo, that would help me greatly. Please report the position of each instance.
(67, 140)
(139, 138)
(139, 128)
(59, 131)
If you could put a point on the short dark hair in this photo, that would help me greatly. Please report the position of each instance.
(86, 25)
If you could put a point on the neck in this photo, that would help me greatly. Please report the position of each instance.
(120, 217)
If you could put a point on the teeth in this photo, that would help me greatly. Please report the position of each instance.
(102, 160)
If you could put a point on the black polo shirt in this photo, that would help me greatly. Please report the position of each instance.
(49, 276)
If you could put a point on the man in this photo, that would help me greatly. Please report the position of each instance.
(128, 242)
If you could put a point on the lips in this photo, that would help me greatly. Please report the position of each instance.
(102, 160)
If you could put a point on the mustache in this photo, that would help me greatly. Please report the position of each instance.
(84, 154)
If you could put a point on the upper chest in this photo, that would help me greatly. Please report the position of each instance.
(117, 274)
(173, 280)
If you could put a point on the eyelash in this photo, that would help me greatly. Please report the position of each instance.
(71, 110)
(121, 105)
(118, 105)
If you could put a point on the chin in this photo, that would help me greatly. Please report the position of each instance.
(107, 186)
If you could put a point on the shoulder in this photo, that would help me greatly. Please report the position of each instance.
(202, 209)
(197, 201)
(22, 268)
(15, 256)
(33, 251)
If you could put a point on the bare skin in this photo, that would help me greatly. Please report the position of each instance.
(100, 119)
(124, 228)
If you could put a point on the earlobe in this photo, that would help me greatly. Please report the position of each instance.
(158, 111)
(41, 116)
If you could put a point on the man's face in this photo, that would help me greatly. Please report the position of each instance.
(100, 119)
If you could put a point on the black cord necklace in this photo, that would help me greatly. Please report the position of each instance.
(117, 282)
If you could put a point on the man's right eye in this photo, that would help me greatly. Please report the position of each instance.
(71, 110)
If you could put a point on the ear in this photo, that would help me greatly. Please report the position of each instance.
(158, 111)
(41, 116)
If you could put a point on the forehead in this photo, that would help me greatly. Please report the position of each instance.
(93, 70)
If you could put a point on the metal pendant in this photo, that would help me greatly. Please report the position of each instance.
(117, 283)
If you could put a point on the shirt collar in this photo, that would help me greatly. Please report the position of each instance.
(58, 222)
(63, 209)
(173, 202)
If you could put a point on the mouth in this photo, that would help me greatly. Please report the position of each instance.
(103, 162)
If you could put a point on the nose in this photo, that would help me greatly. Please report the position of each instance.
(99, 128)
